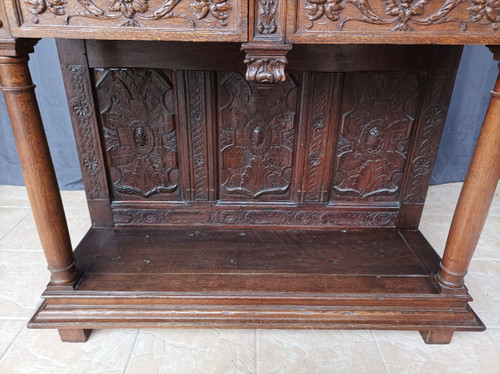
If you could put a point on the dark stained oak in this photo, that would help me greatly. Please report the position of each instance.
(252, 164)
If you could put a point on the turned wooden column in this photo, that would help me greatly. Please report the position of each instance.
(38, 171)
(475, 197)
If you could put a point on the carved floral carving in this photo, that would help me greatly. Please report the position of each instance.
(378, 112)
(139, 131)
(131, 12)
(256, 137)
(403, 14)
(267, 17)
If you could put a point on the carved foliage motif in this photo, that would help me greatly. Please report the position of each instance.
(131, 12)
(318, 129)
(267, 17)
(257, 132)
(433, 118)
(198, 132)
(297, 218)
(82, 111)
(403, 15)
(378, 114)
(139, 131)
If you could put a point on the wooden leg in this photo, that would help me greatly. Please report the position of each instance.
(437, 336)
(36, 163)
(475, 199)
(74, 335)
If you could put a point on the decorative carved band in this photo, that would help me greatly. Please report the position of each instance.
(81, 108)
(249, 217)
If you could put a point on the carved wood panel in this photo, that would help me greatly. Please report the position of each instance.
(257, 127)
(139, 132)
(378, 111)
(131, 19)
(406, 21)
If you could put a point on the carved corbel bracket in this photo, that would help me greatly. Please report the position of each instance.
(266, 62)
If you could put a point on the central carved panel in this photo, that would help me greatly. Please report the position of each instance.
(138, 125)
(256, 138)
(378, 112)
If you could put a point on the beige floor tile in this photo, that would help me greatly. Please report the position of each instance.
(9, 329)
(318, 351)
(25, 236)
(74, 199)
(442, 199)
(468, 352)
(495, 335)
(14, 196)
(483, 282)
(10, 217)
(435, 228)
(41, 351)
(23, 277)
(193, 351)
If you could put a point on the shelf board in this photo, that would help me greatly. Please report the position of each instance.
(193, 277)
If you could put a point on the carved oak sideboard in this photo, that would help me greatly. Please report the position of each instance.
(253, 164)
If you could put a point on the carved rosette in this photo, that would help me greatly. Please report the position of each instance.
(266, 62)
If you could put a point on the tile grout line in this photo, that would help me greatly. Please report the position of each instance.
(381, 355)
(10, 345)
(17, 224)
(130, 353)
(256, 334)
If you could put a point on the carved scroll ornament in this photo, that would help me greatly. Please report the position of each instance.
(402, 15)
(131, 12)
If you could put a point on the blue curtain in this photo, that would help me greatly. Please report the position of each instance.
(475, 79)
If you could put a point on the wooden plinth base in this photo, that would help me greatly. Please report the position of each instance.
(314, 279)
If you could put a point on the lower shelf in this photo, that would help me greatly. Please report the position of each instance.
(379, 279)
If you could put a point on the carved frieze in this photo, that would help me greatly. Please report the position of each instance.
(402, 15)
(139, 131)
(253, 217)
(378, 112)
(257, 137)
(132, 13)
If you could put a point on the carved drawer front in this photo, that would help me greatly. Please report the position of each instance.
(394, 21)
(203, 20)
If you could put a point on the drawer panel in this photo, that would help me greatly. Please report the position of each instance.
(394, 21)
(190, 20)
